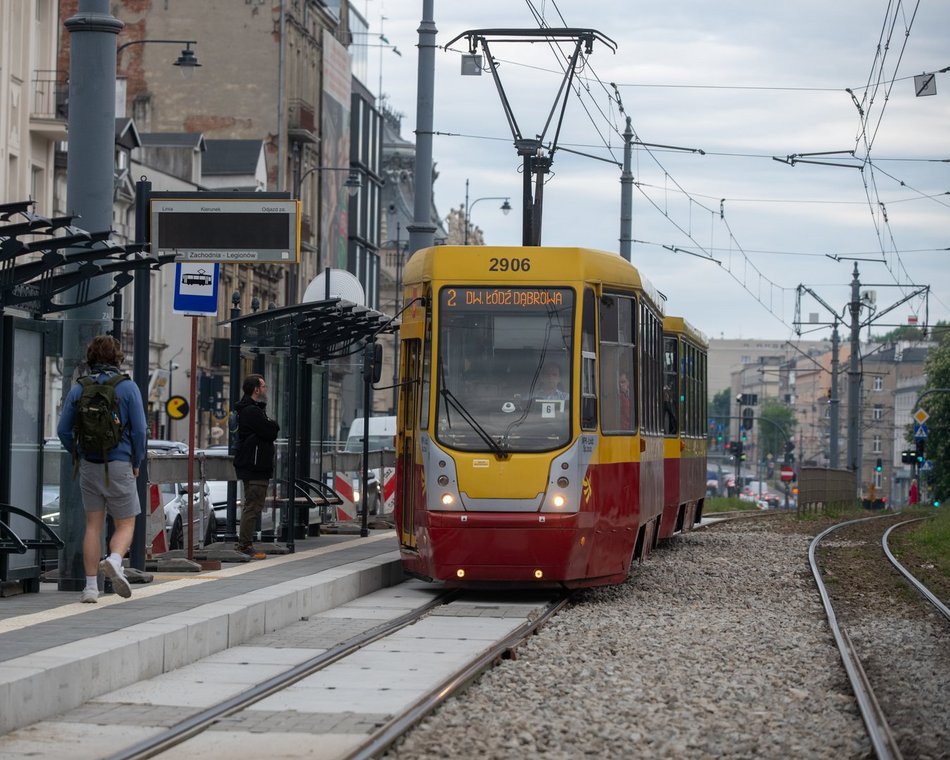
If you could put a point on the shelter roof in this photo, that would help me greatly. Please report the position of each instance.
(319, 330)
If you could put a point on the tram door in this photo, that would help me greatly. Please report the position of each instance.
(408, 440)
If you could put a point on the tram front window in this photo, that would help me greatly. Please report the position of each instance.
(504, 368)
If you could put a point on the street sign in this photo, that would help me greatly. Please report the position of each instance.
(927, 466)
(177, 407)
(787, 474)
(196, 289)
(920, 432)
(921, 416)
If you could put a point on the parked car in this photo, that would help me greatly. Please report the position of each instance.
(173, 497)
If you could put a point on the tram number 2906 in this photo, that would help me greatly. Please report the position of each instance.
(509, 265)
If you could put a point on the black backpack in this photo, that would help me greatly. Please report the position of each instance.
(98, 428)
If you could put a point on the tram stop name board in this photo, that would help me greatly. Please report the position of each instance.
(197, 227)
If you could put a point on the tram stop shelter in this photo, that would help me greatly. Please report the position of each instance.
(291, 347)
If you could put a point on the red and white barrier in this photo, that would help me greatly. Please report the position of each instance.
(155, 524)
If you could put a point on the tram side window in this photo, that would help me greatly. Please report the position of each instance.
(589, 362)
(671, 386)
(426, 366)
(617, 353)
(410, 375)
(651, 369)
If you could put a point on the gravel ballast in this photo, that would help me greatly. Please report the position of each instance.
(717, 646)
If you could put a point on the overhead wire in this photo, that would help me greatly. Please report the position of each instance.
(772, 286)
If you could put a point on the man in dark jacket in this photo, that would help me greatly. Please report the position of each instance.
(254, 461)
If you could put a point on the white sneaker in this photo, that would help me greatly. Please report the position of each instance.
(89, 596)
(120, 584)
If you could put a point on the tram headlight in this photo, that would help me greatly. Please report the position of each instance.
(447, 500)
(563, 482)
(558, 500)
(443, 480)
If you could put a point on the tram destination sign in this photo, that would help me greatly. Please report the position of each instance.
(504, 298)
(226, 229)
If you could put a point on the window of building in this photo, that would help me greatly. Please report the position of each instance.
(879, 383)
(878, 412)
(876, 446)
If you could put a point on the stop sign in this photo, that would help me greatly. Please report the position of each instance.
(787, 474)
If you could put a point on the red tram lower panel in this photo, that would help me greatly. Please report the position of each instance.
(475, 548)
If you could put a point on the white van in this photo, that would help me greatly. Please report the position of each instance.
(382, 435)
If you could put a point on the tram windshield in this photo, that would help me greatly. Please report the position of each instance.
(504, 368)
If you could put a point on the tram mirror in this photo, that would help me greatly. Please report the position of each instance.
(373, 362)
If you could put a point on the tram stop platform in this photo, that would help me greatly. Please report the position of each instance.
(57, 653)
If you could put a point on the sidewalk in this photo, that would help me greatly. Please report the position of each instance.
(56, 653)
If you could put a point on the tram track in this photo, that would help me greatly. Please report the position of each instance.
(890, 706)
(402, 724)
(195, 724)
(228, 714)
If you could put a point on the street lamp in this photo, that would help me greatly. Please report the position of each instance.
(505, 208)
(186, 62)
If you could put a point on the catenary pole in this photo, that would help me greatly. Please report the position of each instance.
(422, 230)
(854, 377)
(89, 188)
(835, 401)
(626, 193)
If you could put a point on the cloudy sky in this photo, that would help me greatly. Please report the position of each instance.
(727, 234)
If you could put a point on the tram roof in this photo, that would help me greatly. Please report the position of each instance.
(467, 263)
(324, 330)
(680, 326)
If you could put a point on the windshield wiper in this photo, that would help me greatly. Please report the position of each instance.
(492, 444)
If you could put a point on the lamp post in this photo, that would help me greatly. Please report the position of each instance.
(353, 184)
(505, 208)
(186, 60)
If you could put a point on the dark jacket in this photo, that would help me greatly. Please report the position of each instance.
(256, 435)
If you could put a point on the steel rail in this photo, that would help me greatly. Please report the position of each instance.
(400, 724)
(882, 740)
(195, 724)
(911, 578)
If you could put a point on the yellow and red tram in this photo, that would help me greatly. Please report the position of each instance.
(684, 404)
(530, 438)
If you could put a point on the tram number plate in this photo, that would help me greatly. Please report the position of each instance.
(504, 264)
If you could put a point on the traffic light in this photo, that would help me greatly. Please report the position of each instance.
(879, 466)
(747, 419)
(737, 448)
(908, 457)
(920, 451)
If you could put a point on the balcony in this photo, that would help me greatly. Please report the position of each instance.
(48, 105)
(301, 122)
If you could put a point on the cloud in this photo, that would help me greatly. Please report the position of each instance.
(743, 82)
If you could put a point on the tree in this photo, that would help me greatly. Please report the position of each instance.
(718, 412)
(937, 405)
(774, 419)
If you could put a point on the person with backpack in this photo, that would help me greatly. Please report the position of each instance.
(103, 426)
(254, 460)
